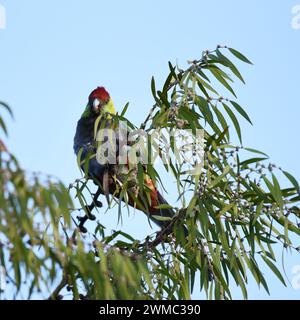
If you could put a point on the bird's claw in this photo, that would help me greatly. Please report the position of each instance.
(82, 221)
(98, 204)
(88, 215)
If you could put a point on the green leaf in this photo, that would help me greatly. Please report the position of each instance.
(256, 151)
(229, 64)
(191, 205)
(163, 206)
(124, 109)
(221, 79)
(172, 69)
(239, 55)
(222, 121)
(220, 277)
(3, 126)
(275, 191)
(153, 89)
(252, 160)
(241, 111)
(7, 107)
(274, 269)
(227, 208)
(96, 125)
(163, 97)
(79, 162)
(161, 218)
(201, 83)
(127, 236)
(292, 180)
(219, 178)
(204, 108)
(234, 121)
(167, 84)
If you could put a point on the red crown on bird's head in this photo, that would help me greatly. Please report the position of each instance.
(99, 93)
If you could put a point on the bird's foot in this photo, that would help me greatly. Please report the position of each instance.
(88, 214)
(82, 221)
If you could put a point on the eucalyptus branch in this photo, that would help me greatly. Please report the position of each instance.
(163, 234)
(195, 64)
(55, 293)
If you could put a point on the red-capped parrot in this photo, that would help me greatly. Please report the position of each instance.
(107, 175)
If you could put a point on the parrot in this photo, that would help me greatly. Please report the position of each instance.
(107, 176)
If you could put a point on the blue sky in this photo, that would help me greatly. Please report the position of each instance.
(53, 53)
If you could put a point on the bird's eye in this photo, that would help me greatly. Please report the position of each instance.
(96, 104)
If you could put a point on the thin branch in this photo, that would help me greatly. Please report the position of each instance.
(164, 232)
(55, 294)
(196, 64)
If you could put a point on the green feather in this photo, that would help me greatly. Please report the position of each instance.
(109, 107)
(87, 112)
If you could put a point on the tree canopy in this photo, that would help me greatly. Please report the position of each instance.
(234, 208)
